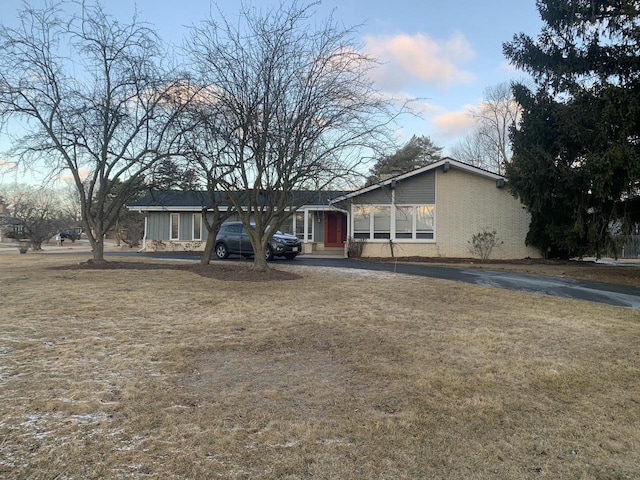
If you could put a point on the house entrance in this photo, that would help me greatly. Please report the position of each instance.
(335, 231)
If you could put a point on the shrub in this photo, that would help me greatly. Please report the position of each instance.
(355, 247)
(483, 243)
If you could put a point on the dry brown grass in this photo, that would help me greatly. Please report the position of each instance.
(339, 375)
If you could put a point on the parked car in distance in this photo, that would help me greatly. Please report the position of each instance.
(69, 234)
(233, 239)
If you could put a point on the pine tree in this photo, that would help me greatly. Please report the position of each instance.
(416, 153)
(576, 151)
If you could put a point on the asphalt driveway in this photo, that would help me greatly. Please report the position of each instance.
(618, 295)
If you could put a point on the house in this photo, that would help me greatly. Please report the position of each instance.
(434, 211)
(173, 220)
(10, 227)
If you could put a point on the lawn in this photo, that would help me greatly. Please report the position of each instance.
(196, 373)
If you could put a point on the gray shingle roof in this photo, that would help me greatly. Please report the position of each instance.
(199, 199)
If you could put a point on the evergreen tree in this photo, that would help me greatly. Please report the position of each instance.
(416, 153)
(576, 151)
(169, 175)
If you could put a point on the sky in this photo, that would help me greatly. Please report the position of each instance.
(446, 53)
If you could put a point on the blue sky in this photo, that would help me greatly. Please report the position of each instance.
(444, 52)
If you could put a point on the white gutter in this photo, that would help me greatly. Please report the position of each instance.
(144, 237)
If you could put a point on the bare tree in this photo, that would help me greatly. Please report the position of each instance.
(96, 101)
(292, 108)
(37, 209)
(206, 156)
(488, 145)
(470, 149)
(70, 203)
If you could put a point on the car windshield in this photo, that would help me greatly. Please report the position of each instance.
(277, 232)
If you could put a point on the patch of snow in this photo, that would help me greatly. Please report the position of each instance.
(348, 272)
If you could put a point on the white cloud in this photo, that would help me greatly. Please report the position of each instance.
(7, 165)
(84, 174)
(411, 59)
(451, 125)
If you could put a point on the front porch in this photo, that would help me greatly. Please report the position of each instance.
(324, 233)
(311, 249)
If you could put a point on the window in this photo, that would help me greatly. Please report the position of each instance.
(299, 225)
(287, 225)
(361, 221)
(424, 221)
(404, 222)
(197, 226)
(382, 222)
(231, 228)
(174, 233)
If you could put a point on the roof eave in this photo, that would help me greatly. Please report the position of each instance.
(418, 171)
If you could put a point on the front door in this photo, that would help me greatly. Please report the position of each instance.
(335, 229)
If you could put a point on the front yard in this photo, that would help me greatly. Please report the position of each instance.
(326, 374)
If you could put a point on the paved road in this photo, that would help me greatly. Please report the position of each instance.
(618, 295)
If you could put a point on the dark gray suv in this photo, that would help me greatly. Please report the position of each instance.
(233, 238)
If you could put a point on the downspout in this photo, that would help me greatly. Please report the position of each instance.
(144, 238)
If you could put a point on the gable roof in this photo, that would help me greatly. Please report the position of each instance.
(444, 163)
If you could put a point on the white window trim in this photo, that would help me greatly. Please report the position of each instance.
(308, 235)
(193, 224)
(414, 222)
(171, 237)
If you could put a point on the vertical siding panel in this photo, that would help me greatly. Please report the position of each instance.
(379, 196)
(417, 190)
(158, 226)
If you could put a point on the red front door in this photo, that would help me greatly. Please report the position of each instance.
(335, 229)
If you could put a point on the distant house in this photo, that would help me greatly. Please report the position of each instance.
(10, 227)
(173, 220)
(432, 211)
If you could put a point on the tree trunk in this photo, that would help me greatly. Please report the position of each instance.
(259, 257)
(98, 249)
(260, 262)
(208, 249)
(117, 230)
(96, 239)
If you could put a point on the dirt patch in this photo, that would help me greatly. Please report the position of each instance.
(228, 271)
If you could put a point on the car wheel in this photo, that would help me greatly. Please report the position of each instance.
(268, 253)
(221, 251)
(290, 256)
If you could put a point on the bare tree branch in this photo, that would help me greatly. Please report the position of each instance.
(292, 107)
(96, 100)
